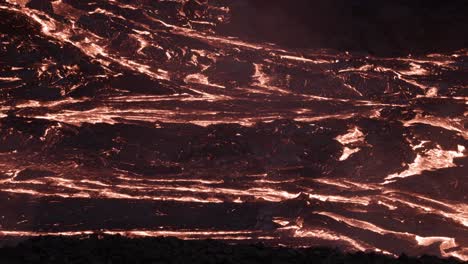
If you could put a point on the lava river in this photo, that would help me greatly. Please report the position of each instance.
(140, 118)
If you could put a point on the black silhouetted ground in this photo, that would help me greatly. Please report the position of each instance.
(118, 249)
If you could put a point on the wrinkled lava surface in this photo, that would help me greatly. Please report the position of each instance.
(180, 118)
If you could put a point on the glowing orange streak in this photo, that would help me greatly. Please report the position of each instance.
(341, 199)
(48, 28)
(140, 233)
(39, 194)
(452, 125)
(432, 160)
(353, 136)
(110, 114)
(447, 242)
(429, 90)
(459, 212)
(9, 79)
(302, 59)
(112, 195)
(200, 79)
(259, 193)
(329, 235)
(202, 181)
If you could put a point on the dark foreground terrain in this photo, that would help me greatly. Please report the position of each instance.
(118, 249)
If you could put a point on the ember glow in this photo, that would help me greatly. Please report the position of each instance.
(143, 119)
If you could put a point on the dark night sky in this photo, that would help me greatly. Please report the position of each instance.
(379, 27)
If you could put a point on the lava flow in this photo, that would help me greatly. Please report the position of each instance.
(151, 118)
